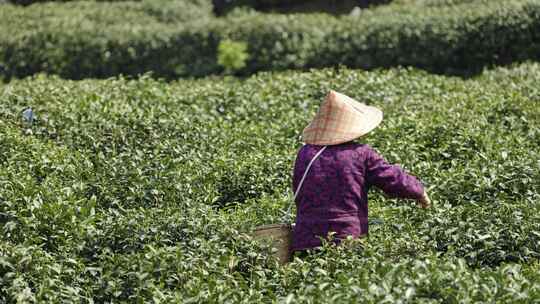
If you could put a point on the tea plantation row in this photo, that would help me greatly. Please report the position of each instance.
(92, 39)
(140, 190)
(28, 2)
(103, 14)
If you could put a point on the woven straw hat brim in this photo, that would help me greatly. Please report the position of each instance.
(341, 119)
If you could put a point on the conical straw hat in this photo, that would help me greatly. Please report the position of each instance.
(341, 119)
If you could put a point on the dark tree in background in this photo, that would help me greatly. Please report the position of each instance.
(290, 6)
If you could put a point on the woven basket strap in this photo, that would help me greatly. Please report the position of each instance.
(304, 177)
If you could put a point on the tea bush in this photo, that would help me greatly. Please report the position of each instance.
(28, 2)
(232, 55)
(90, 39)
(102, 14)
(141, 190)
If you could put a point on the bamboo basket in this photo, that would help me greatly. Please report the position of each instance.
(280, 236)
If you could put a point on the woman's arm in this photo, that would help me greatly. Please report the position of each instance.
(393, 180)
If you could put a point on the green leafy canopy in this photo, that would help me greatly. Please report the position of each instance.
(146, 191)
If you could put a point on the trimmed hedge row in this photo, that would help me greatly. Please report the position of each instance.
(28, 2)
(438, 2)
(61, 16)
(444, 39)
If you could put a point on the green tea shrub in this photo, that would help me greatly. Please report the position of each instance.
(139, 190)
(437, 2)
(178, 2)
(28, 2)
(232, 55)
(456, 39)
(53, 14)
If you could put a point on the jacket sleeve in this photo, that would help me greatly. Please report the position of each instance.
(391, 179)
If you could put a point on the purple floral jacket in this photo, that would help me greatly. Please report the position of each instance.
(334, 196)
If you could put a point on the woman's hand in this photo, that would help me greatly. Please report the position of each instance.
(424, 202)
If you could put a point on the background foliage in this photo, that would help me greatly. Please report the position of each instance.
(177, 38)
(329, 6)
(141, 190)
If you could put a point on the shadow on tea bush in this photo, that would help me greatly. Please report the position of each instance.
(236, 186)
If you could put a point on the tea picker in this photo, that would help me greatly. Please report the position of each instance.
(331, 178)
